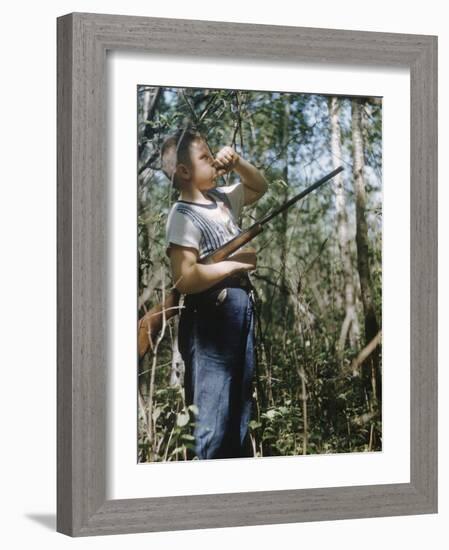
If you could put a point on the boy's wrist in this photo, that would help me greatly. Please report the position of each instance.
(237, 163)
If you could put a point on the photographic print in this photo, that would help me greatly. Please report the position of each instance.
(259, 273)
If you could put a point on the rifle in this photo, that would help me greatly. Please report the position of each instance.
(150, 324)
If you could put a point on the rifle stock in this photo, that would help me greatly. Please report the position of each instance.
(225, 250)
(150, 324)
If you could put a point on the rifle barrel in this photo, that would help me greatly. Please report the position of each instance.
(301, 195)
(236, 242)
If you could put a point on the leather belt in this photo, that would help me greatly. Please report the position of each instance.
(233, 281)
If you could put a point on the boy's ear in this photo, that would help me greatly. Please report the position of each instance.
(183, 171)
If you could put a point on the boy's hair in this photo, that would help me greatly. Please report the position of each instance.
(176, 150)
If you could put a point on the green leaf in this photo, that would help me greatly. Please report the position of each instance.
(193, 408)
(182, 419)
(253, 425)
(177, 450)
(270, 414)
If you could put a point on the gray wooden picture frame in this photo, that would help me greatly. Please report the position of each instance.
(83, 40)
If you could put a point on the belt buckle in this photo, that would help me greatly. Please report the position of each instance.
(221, 296)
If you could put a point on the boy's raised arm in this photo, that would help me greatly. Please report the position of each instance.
(254, 182)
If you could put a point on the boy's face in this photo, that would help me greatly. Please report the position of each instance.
(203, 171)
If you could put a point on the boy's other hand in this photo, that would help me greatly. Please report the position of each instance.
(246, 257)
(227, 159)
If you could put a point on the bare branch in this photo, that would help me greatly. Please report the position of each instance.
(365, 353)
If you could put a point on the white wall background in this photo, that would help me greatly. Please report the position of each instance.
(28, 240)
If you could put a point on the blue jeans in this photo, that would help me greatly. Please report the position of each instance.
(216, 341)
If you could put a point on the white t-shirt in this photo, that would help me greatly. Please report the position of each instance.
(206, 226)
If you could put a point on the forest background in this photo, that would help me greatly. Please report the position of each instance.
(318, 383)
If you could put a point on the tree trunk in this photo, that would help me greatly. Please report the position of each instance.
(350, 324)
(147, 154)
(371, 324)
(284, 215)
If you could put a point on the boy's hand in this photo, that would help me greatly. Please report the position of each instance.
(226, 160)
(246, 257)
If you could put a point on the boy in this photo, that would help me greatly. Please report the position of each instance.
(216, 326)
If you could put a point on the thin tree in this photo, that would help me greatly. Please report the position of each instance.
(284, 218)
(350, 323)
(371, 323)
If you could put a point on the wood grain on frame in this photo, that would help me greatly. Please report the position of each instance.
(83, 40)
